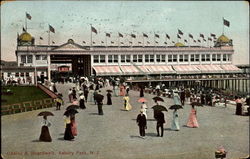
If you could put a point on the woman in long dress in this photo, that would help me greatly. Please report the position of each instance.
(82, 102)
(127, 105)
(109, 101)
(68, 132)
(175, 123)
(122, 90)
(45, 135)
(116, 91)
(73, 125)
(192, 120)
(238, 106)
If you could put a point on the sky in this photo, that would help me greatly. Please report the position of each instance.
(72, 20)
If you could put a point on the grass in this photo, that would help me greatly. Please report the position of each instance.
(22, 94)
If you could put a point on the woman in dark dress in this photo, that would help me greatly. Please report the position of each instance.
(109, 101)
(68, 132)
(45, 135)
(141, 92)
(238, 106)
(82, 102)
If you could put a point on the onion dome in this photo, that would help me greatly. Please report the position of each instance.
(223, 39)
(179, 44)
(25, 37)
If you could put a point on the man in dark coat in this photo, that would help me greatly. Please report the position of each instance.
(159, 116)
(142, 123)
(99, 100)
(182, 96)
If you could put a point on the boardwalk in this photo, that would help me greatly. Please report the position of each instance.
(115, 134)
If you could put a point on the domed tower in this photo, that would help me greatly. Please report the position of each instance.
(25, 39)
(179, 44)
(223, 41)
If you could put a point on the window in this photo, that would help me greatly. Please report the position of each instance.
(207, 57)
(139, 58)
(134, 58)
(224, 57)
(214, 57)
(146, 58)
(158, 58)
(186, 58)
(203, 57)
(96, 58)
(9, 74)
(38, 57)
(152, 58)
(29, 59)
(22, 74)
(102, 58)
(116, 58)
(128, 58)
(229, 57)
(197, 57)
(163, 58)
(27, 74)
(174, 58)
(122, 58)
(181, 58)
(110, 58)
(44, 57)
(23, 58)
(170, 58)
(17, 74)
(218, 57)
(192, 58)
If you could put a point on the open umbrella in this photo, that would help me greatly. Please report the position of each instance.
(141, 100)
(99, 97)
(196, 104)
(176, 106)
(159, 108)
(158, 99)
(45, 113)
(72, 107)
(70, 112)
(109, 90)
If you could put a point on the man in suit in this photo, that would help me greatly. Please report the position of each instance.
(182, 96)
(159, 116)
(142, 123)
(99, 100)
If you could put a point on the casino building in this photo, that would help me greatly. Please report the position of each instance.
(129, 61)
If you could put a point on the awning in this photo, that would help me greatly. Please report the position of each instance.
(143, 69)
(162, 69)
(107, 70)
(186, 69)
(231, 68)
(129, 70)
(210, 68)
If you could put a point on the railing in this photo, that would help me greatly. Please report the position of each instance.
(47, 91)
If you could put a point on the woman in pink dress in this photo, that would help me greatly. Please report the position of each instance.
(192, 120)
(73, 125)
(122, 90)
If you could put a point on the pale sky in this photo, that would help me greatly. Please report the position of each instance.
(72, 19)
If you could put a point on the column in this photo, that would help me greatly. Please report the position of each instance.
(49, 70)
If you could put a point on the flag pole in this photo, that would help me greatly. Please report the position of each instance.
(118, 40)
(91, 35)
(105, 39)
(223, 26)
(143, 40)
(48, 62)
(25, 21)
(154, 39)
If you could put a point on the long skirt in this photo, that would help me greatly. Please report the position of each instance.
(192, 121)
(175, 124)
(109, 101)
(45, 135)
(73, 128)
(238, 109)
(68, 133)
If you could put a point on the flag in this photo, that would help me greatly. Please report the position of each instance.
(93, 42)
(139, 42)
(83, 42)
(201, 35)
(185, 40)
(157, 36)
(120, 35)
(210, 39)
(41, 38)
(199, 41)
(28, 16)
(167, 36)
(93, 30)
(130, 42)
(108, 34)
(51, 29)
(121, 42)
(24, 30)
(173, 42)
(178, 36)
(156, 42)
(148, 42)
(195, 41)
(226, 22)
(204, 40)
(102, 42)
(180, 32)
(191, 36)
(165, 42)
(145, 35)
(112, 42)
(133, 36)
(213, 35)
(53, 42)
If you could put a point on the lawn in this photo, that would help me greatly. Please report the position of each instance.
(21, 94)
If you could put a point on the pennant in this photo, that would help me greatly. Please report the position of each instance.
(53, 42)
(178, 36)
(93, 42)
(84, 42)
(204, 40)
(41, 38)
(112, 42)
(199, 41)
(120, 35)
(156, 42)
(191, 36)
(148, 42)
(173, 42)
(24, 30)
(133, 36)
(180, 32)
(139, 42)
(108, 34)
(226, 22)
(122, 43)
(157, 36)
(28, 16)
(167, 36)
(185, 40)
(165, 43)
(195, 41)
(130, 42)
(93, 30)
(145, 35)
(102, 42)
(51, 29)
(201, 35)
(210, 39)
(213, 35)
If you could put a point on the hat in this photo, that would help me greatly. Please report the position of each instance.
(141, 110)
(82, 97)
